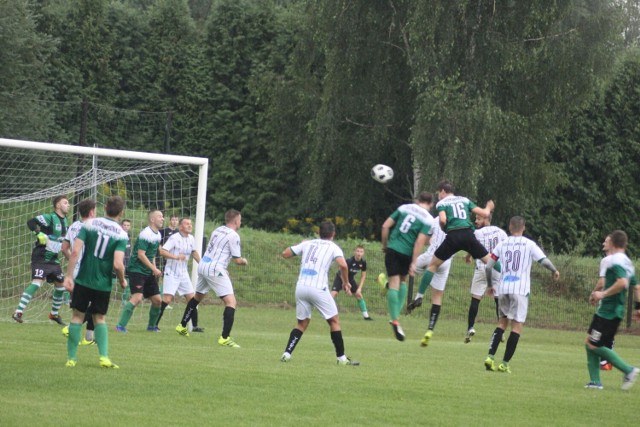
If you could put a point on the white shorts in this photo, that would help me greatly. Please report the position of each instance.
(308, 297)
(513, 307)
(219, 281)
(180, 284)
(479, 282)
(439, 280)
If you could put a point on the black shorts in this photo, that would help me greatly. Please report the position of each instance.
(147, 285)
(397, 264)
(460, 240)
(337, 284)
(52, 273)
(603, 331)
(84, 297)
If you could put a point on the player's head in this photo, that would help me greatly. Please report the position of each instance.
(445, 188)
(425, 198)
(516, 225)
(126, 225)
(358, 252)
(327, 230)
(155, 218)
(114, 206)
(483, 221)
(185, 226)
(174, 221)
(61, 205)
(233, 218)
(619, 239)
(86, 207)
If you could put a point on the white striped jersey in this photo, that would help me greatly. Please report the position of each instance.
(72, 233)
(437, 237)
(177, 245)
(516, 254)
(224, 244)
(316, 256)
(489, 236)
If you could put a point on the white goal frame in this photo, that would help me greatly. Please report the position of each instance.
(201, 162)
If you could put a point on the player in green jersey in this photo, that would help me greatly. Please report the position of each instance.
(105, 242)
(404, 234)
(454, 214)
(619, 275)
(143, 273)
(49, 230)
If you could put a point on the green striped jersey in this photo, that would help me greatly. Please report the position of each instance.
(410, 220)
(102, 237)
(149, 242)
(458, 211)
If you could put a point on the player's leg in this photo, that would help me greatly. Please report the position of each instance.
(203, 285)
(136, 287)
(442, 254)
(56, 276)
(496, 337)
(37, 278)
(609, 327)
(228, 317)
(170, 286)
(89, 336)
(100, 305)
(422, 263)
(518, 314)
(188, 295)
(362, 305)
(478, 288)
(304, 307)
(594, 340)
(327, 307)
(79, 305)
(403, 291)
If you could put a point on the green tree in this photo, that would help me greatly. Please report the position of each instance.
(597, 160)
(239, 45)
(24, 60)
(496, 81)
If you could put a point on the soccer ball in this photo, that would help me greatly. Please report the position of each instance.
(382, 173)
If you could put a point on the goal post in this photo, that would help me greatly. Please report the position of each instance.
(32, 173)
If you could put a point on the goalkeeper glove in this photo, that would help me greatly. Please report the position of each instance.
(41, 238)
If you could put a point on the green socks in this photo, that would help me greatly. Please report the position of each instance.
(425, 282)
(58, 296)
(102, 339)
(75, 331)
(612, 356)
(362, 305)
(127, 312)
(392, 304)
(28, 293)
(593, 365)
(154, 313)
(402, 296)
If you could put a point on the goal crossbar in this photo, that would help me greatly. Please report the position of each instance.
(201, 162)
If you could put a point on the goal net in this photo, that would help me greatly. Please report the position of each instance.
(33, 173)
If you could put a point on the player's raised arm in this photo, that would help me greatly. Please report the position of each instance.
(486, 211)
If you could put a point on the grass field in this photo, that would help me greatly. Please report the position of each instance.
(166, 379)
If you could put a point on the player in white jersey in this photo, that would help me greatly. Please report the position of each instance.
(87, 210)
(177, 250)
(516, 253)
(223, 247)
(489, 236)
(312, 289)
